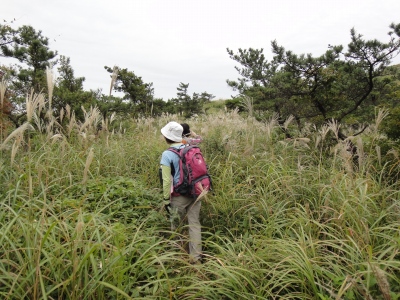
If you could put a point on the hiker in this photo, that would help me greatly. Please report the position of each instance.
(180, 206)
(190, 137)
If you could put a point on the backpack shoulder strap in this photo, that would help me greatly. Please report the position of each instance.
(187, 148)
(176, 151)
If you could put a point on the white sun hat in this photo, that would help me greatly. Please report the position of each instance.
(173, 131)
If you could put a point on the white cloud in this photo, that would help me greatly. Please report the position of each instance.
(168, 42)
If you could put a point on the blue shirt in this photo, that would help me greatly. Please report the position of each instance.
(171, 159)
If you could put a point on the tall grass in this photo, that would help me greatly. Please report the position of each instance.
(82, 214)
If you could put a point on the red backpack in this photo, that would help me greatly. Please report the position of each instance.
(194, 177)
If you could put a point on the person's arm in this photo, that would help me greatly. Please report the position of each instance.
(195, 138)
(166, 180)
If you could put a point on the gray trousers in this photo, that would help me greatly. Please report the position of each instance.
(182, 207)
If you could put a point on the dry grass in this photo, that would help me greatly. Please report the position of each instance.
(286, 220)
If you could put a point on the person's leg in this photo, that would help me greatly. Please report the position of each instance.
(193, 215)
(177, 216)
(178, 211)
(182, 207)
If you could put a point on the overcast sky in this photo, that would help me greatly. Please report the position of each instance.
(171, 41)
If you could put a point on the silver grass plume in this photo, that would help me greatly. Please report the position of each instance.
(342, 148)
(33, 102)
(334, 127)
(394, 153)
(89, 160)
(323, 131)
(68, 111)
(271, 123)
(62, 112)
(57, 137)
(379, 154)
(360, 152)
(108, 121)
(19, 131)
(3, 88)
(104, 124)
(15, 146)
(382, 113)
(288, 121)
(38, 122)
(112, 117)
(72, 124)
(50, 85)
(92, 118)
(301, 142)
(50, 128)
(382, 281)
(114, 76)
(247, 102)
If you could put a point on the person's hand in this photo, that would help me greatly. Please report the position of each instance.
(168, 208)
(167, 205)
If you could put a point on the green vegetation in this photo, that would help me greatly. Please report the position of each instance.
(342, 85)
(82, 214)
(303, 207)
